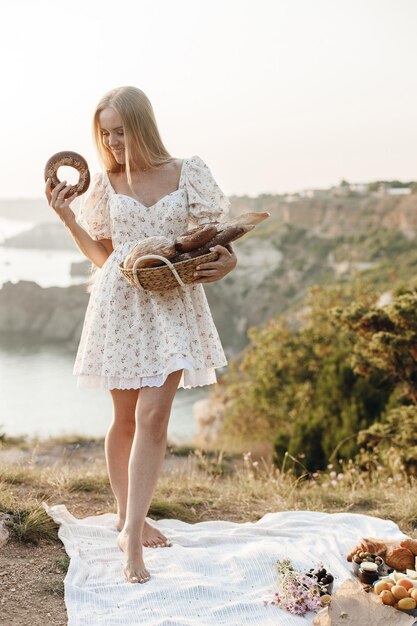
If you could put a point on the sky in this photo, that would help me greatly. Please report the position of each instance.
(274, 95)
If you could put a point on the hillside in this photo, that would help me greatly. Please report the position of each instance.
(310, 242)
(307, 241)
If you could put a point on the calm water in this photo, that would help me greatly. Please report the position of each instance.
(45, 267)
(38, 392)
(8, 228)
(39, 397)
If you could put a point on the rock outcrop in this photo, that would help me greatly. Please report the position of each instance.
(4, 531)
(208, 416)
(80, 268)
(277, 263)
(45, 236)
(54, 314)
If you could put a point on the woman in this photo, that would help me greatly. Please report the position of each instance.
(141, 345)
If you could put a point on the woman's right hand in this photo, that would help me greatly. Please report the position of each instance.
(56, 200)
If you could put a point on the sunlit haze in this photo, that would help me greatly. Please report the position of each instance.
(275, 95)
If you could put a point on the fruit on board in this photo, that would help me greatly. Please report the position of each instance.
(381, 585)
(387, 597)
(407, 603)
(405, 582)
(399, 592)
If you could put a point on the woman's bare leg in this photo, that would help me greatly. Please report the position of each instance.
(117, 445)
(146, 458)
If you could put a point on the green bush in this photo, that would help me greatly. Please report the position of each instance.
(296, 388)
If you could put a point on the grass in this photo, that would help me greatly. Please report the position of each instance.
(89, 484)
(32, 524)
(53, 587)
(62, 563)
(7, 440)
(68, 441)
(206, 486)
(13, 475)
(184, 511)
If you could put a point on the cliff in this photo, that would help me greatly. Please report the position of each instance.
(306, 241)
(44, 236)
(42, 315)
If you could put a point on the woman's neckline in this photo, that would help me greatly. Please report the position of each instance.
(124, 195)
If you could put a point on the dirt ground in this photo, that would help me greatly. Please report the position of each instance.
(31, 579)
(31, 584)
(31, 576)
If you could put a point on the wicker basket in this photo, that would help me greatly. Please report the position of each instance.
(164, 277)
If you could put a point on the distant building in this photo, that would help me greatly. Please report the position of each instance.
(291, 197)
(385, 189)
(361, 188)
(398, 191)
(314, 193)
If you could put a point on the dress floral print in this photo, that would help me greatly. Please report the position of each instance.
(134, 338)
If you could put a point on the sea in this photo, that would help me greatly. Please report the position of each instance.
(39, 396)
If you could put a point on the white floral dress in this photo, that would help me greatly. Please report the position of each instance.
(133, 338)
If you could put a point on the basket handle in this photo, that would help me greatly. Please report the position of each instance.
(161, 258)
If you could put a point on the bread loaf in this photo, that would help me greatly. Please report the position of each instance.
(195, 238)
(222, 238)
(399, 558)
(246, 219)
(194, 242)
(150, 245)
(369, 544)
(411, 544)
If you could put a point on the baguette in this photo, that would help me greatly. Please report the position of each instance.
(150, 245)
(222, 238)
(195, 238)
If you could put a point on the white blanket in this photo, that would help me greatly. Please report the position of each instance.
(215, 573)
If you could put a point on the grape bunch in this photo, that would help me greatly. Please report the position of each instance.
(324, 579)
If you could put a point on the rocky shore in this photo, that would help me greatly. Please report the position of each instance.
(306, 241)
(43, 236)
(44, 315)
(56, 314)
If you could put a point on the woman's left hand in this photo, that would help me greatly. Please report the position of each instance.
(215, 270)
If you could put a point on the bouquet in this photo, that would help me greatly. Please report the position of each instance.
(300, 592)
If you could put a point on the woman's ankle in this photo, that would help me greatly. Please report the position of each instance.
(133, 527)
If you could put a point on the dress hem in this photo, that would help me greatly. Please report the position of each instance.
(191, 377)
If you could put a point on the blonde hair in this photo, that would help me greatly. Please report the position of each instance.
(143, 143)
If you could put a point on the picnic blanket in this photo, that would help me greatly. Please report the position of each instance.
(216, 572)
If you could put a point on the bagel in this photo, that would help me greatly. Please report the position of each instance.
(70, 159)
(195, 238)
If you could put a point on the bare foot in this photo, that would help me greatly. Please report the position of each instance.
(134, 566)
(151, 537)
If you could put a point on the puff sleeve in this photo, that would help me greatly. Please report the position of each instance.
(206, 201)
(93, 214)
